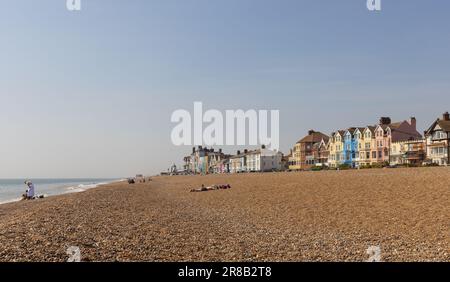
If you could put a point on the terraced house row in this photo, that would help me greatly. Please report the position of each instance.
(206, 161)
(385, 143)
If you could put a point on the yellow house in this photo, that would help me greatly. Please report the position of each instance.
(359, 141)
(368, 145)
(336, 156)
(295, 162)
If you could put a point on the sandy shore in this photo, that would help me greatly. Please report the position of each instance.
(306, 216)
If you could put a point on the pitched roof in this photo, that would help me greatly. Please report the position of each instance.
(361, 129)
(314, 137)
(351, 130)
(444, 124)
(395, 125)
(371, 128)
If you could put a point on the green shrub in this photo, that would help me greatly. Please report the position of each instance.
(431, 164)
(344, 167)
(377, 165)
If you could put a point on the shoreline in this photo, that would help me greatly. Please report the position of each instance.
(78, 188)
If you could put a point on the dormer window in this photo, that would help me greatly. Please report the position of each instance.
(439, 135)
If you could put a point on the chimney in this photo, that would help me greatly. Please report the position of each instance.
(413, 122)
(310, 132)
(385, 120)
(446, 116)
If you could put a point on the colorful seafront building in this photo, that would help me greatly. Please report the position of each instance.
(382, 144)
(385, 143)
(203, 160)
(437, 141)
(206, 161)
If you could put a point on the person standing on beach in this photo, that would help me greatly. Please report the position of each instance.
(29, 194)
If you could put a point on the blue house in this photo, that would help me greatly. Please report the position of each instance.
(358, 139)
(350, 147)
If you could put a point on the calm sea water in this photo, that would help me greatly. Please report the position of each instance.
(12, 189)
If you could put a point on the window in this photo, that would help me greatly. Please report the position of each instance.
(438, 151)
(439, 135)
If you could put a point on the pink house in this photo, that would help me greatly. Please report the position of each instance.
(387, 132)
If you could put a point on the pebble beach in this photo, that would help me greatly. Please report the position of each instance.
(292, 216)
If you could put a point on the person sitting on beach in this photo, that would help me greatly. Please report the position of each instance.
(29, 193)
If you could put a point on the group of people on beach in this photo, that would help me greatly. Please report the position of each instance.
(210, 188)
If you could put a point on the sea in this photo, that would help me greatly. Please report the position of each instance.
(11, 190)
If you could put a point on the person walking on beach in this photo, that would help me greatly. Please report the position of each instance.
(29, 193)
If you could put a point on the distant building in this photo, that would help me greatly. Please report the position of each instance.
(336, 146)
(238, 162)
(374, 145)
(223, 166)
(304, 150)
(410, 152)
(358, 139)
(350, 147)
(438, 141)
(386, 133)
(323, 152)
(202, 160)
(366, 153)
(262, 160)
(285, 161)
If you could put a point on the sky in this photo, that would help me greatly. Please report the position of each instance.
(90, 93)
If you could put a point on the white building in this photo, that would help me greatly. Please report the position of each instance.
(438, 141)
(237, 162)
(262, 160)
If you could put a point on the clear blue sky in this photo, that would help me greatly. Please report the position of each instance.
(90, 93)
